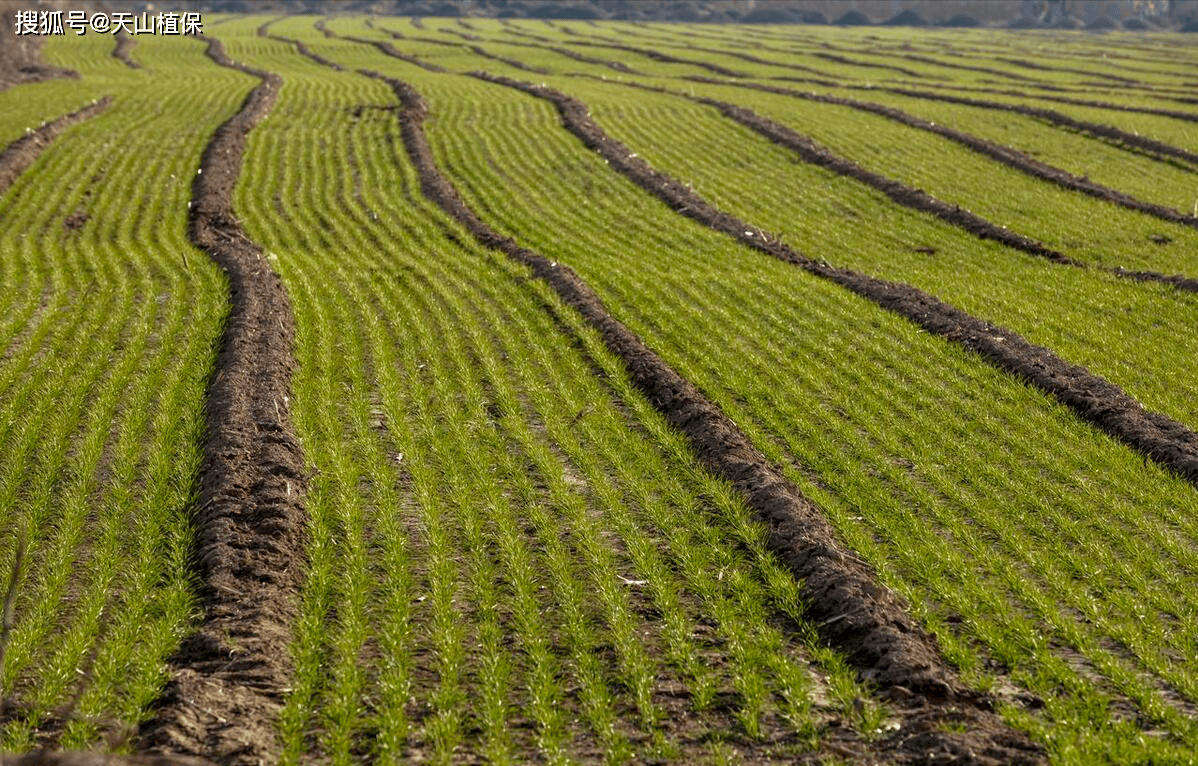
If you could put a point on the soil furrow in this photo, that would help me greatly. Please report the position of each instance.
(904, 195)
(873, 65)
(1010, 157)
(1173, 113)
(1093, 398)
(20, 154)
(664, 57)
(229, 678)
(619, 66)
(124, 46)
(391, 51)
(856, 613)
(1149, 146)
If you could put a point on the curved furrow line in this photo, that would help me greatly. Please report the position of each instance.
(475, 49)
(390, 50)
(898, 192)
(515, 63)
(20, 154)
(1175, 114)
(663, 57)
(1092, 397)
(837, 59)
(1006, 155)
(619, 66)
(857, 614)
(124, 46)
(1150, 147)
(228, 678)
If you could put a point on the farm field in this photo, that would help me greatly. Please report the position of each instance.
(387, 390)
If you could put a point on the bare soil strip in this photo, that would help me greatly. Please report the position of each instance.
(20, 154)
(664, 57)
(1149, 146)
(857, 614)
(1093, 398)
(390, 50)
(124, 45)
(904, 195)
(873, 65)
(1010, 157)
(619, 66)
(228, 679)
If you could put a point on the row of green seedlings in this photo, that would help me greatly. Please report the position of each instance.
(938, 58)
(100, 434)
(1117, 168)
(1164, 128)
(510, 550)
(730, 308)
(990, 281)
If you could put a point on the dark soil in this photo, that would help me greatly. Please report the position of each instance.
(20, 154)
(1107, 132)
(856, 613)
(509, 61)
(124, 46)
(873, 65)
(229, 678)
(1006, 155)
(390, 50)
(619, 66)
(665, 57)
(1091, 397)
(20, 55)
(98, 759)
(904, 195)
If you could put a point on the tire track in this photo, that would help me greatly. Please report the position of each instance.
(856, 613)
(20, 154)
(1093, 398)
(229, 677)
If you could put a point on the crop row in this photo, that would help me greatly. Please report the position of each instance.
(510, 550)
(109, 325)
(943, 444)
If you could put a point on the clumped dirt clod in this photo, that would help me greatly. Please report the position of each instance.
(20, 154)
(229, 677)
(857, 614)
(1093, 398)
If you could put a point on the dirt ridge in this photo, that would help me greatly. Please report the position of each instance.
(900, 193)
(228, 678)
(1010, 157)
(1148, 145)
(390, 50)
(663, 57)
(20, 154)
(1093, 398)
(858, 615)
(124, 46)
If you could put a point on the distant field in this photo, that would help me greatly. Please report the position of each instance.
(616, 392)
